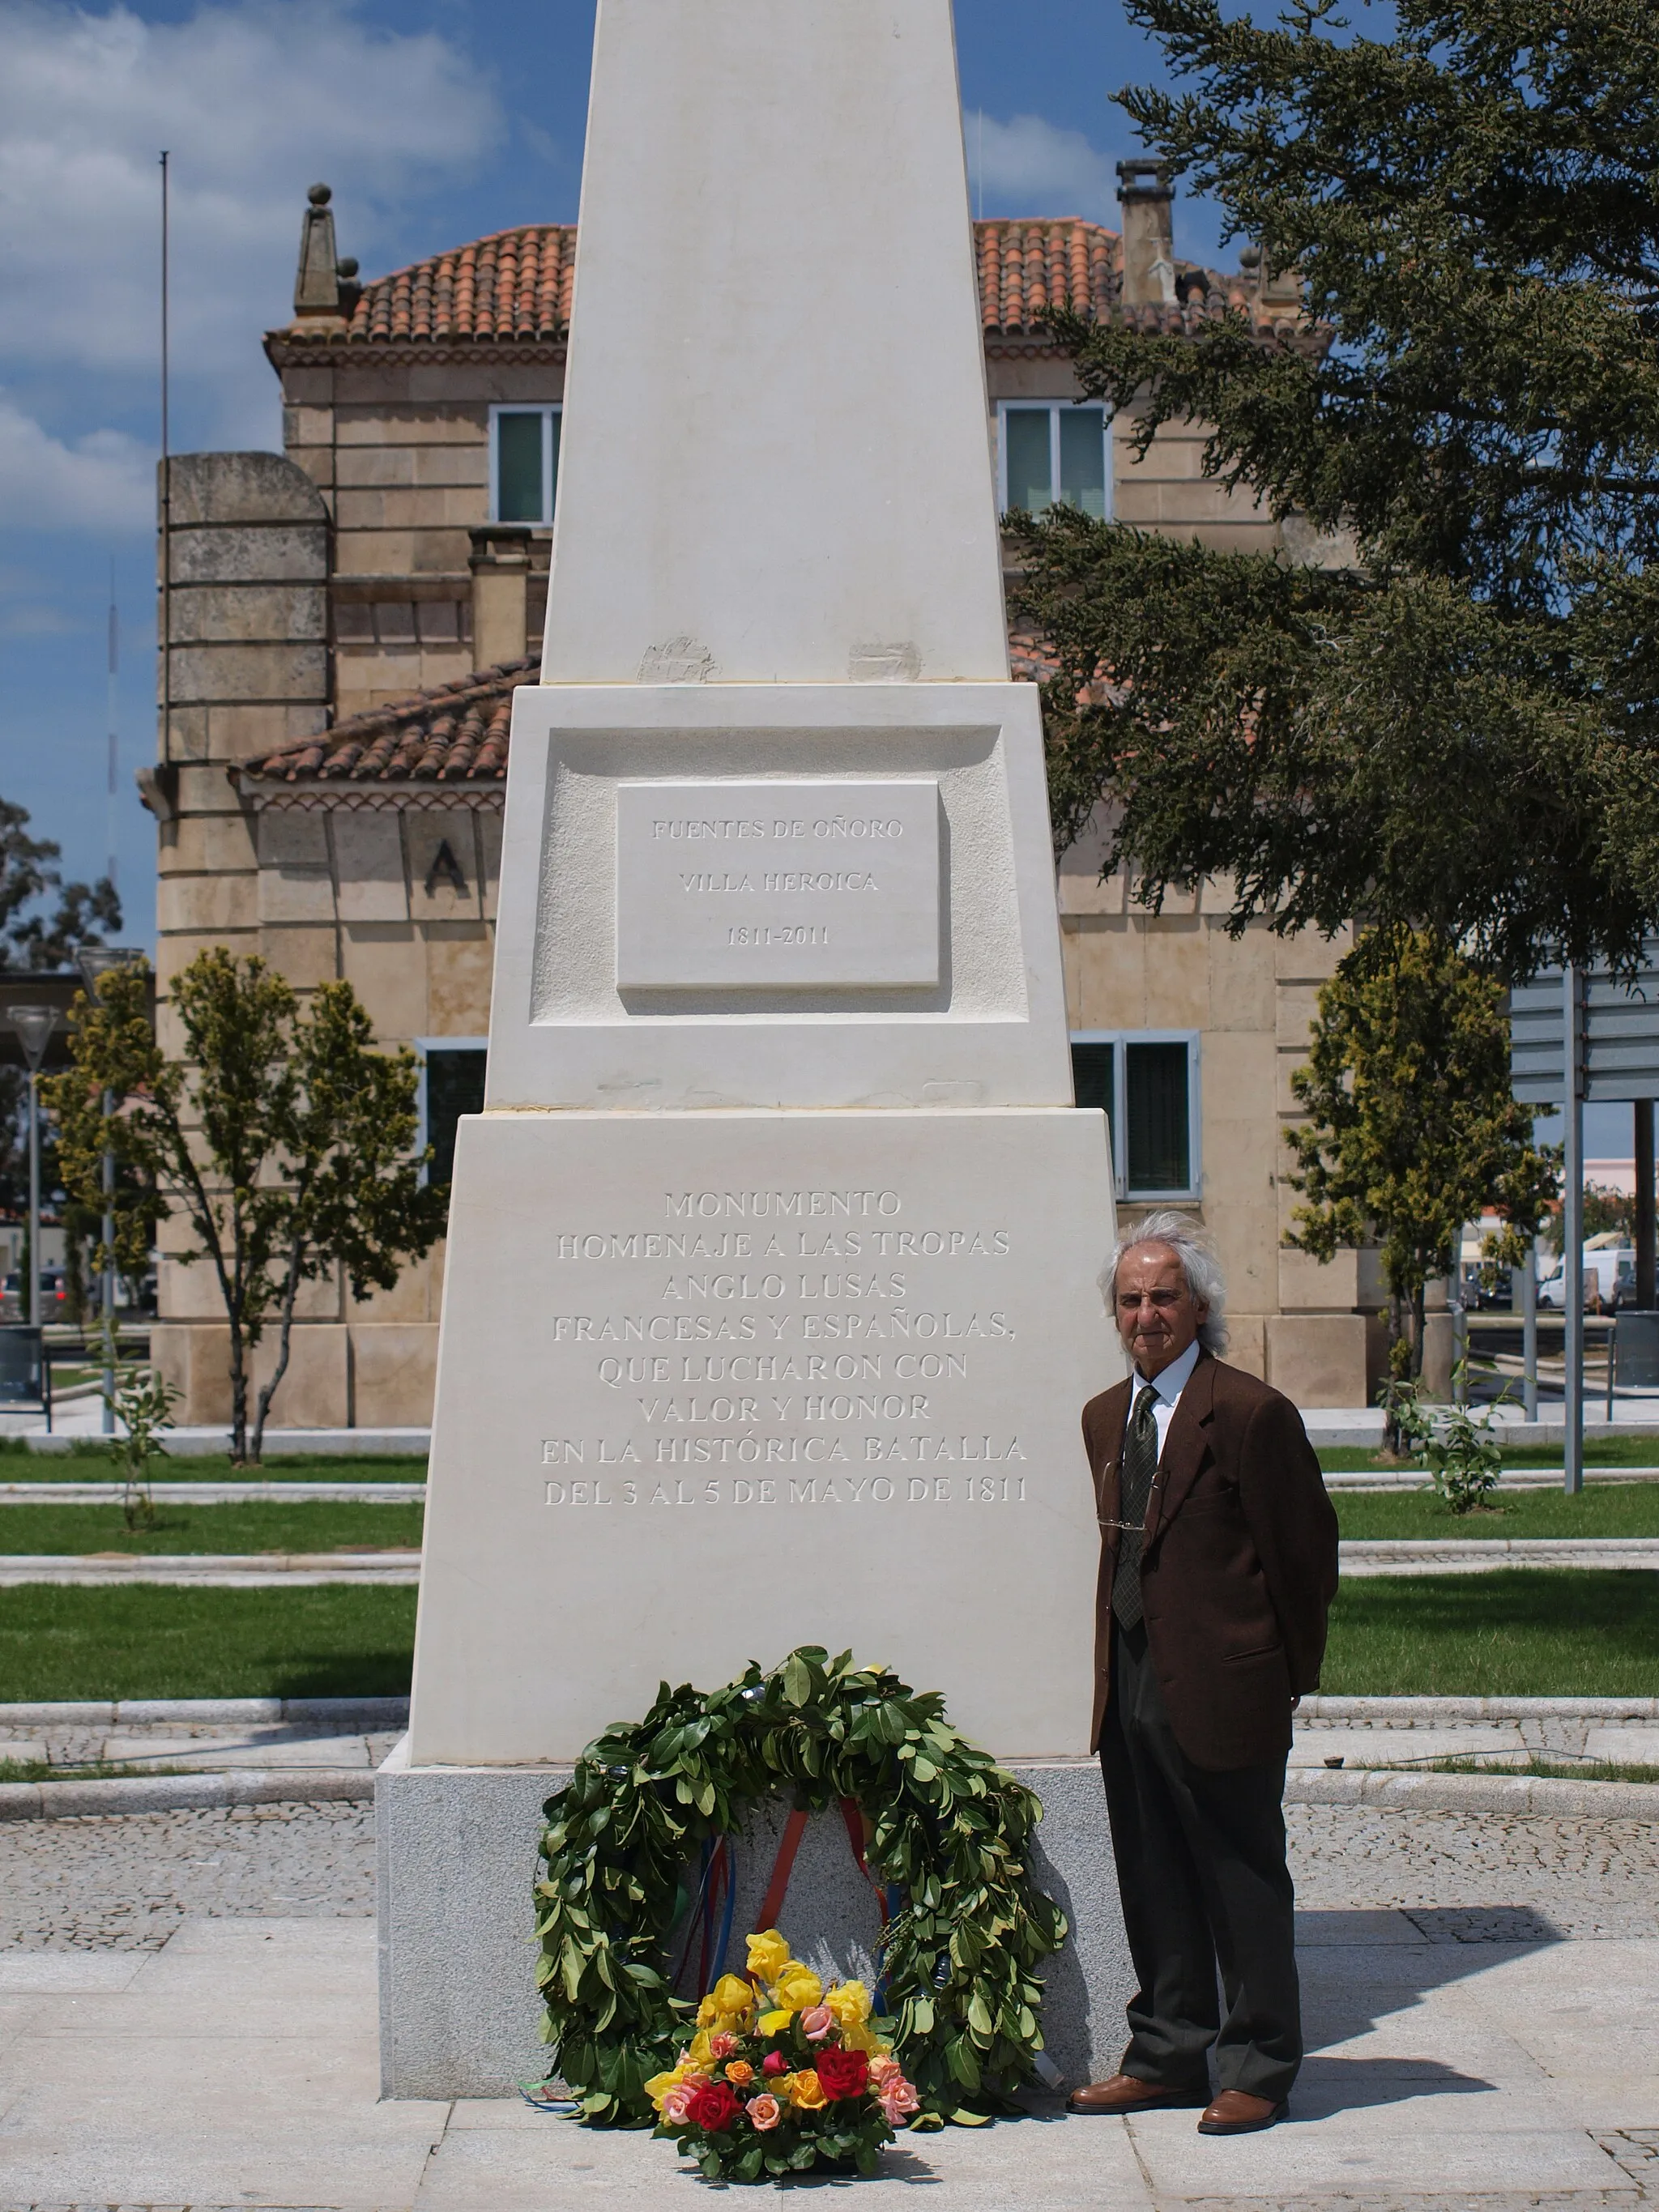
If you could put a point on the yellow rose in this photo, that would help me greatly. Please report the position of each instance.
(660, 2084)
(732, 1996)
(798, 1987)
(774, 2023)
(698, 2058)
(850, 2003)
(768, 1955)
(806, 2090)
(856, 2035)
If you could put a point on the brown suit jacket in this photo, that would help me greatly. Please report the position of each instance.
(1239, 1565)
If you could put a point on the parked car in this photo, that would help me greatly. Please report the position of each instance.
(54, 1294)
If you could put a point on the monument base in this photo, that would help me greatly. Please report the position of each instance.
(459, 2014)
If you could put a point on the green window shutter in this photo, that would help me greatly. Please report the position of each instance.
(1156, 1105)
(1083, 459)
(454, 1086)
(1025, 433)
(519, 468)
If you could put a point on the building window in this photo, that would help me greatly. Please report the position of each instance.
(451, 1084)
(1054, 452)
(1146, 1080)
(523, 463)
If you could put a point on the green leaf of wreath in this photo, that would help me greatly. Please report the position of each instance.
(946, 1825)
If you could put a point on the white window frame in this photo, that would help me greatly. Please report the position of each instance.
(1119, 1121)
(420, 1047)
(1030, 407)
(544, 408)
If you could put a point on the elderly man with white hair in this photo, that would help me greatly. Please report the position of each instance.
(1217, 1568)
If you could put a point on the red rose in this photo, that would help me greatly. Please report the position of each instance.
(712, 2107)
(774, 2062)
(842, 2073)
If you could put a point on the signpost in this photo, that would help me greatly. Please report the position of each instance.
(1579, 1037)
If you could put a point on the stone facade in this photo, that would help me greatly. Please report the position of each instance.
(309, 591)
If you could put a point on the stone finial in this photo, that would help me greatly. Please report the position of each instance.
(1145, 194)
(317, 283)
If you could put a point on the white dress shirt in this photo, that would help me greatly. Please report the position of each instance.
(1169, 1383)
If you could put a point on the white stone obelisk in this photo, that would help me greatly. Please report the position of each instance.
(769, 1306)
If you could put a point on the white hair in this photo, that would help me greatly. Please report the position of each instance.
(1186, 1239)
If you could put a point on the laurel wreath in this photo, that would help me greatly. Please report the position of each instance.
(945, 1826)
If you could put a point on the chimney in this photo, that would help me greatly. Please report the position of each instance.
(500, 563)
(1145, 193)
(323, 286)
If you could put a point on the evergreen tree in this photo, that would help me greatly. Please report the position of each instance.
(1456, 728)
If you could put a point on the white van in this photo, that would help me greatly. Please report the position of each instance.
(1613, 1267)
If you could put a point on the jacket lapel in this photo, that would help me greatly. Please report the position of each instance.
(1109, 1479)
(1183, 1448)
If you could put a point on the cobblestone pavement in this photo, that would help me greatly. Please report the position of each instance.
(125, 1883)
(1475, 1877)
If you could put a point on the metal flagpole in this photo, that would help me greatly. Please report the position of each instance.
(113, 764)
(166, 500)
(1572, 1222)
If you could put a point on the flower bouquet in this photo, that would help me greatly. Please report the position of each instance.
(782, 2075)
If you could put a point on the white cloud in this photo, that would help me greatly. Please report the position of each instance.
(1028, 166)
(254, 100)
(104, 481)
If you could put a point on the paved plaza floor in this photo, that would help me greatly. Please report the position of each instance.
(188, 2019)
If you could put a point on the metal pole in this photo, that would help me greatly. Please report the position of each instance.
(1572, 1226)
(108, 1423)
(1529, 1334)
(1642, 1120)
(166, 500)
(34, 1198)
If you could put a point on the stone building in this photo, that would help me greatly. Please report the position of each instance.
(346, 622)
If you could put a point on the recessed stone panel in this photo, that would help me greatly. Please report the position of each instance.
(745, 883)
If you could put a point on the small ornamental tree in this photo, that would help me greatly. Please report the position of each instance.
(282, 1136)
(1412, 1130)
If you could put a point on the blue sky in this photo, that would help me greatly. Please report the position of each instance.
(435, 121)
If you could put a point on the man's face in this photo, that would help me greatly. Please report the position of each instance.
(1158, 1316)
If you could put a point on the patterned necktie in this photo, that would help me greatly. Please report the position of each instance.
(1134, 1488)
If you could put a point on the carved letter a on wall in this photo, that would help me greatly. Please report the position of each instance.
(445, 868)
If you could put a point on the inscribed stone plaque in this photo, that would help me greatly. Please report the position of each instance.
(770, 883)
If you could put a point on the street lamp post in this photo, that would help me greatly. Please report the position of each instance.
(95, 962)
(34, 1026)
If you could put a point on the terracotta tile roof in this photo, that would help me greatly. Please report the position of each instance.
(516, 284)
(455, 733)
(515, 287)
(1025, 267)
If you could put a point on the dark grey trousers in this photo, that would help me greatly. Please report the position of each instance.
(1202, 1873)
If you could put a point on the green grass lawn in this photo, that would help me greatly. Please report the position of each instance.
(1611, 1508)
(88, 1462)
(258, 1526)
(157, 1642)
(1518, 1633)
(1639, 1450)
(1514, 1633)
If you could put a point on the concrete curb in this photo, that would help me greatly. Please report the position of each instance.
(1393, 1712)
(176, 1793)
(1516, 1795)
(148, 1712)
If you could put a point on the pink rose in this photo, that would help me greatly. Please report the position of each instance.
(816, 2022)
(774, 2062)
(885, 2068)
(765, 2110)
(674, 2112)
(722, 2045)
(897, 2100)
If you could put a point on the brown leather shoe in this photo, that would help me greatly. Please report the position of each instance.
(1235, 2113)
(1128, 2092)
